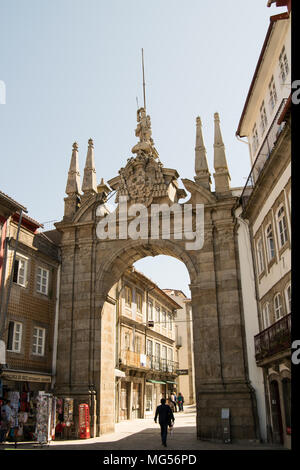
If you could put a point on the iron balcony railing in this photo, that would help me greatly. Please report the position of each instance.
(143, 361)
(263, 154)
(274, 339)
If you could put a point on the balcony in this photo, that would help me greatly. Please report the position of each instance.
(142, 361)
(264, 153)
(274, 339)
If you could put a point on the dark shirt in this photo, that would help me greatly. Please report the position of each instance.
(165, 414)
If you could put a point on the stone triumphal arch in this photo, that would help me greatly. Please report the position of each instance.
(91, 265)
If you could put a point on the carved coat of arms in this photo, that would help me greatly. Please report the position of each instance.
(142, 180)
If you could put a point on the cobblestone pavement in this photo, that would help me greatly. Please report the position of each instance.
(144, 434)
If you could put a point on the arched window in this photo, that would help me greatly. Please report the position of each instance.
(288, 298)
(270, 242)
(260, 256)
(278, 307)
(281, 225)
(266, 315)
(128, 296)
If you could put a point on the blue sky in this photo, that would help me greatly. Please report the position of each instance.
(72, 71)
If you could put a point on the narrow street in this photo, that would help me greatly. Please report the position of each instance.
(144, 434)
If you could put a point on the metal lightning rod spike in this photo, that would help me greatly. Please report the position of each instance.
(143, 79)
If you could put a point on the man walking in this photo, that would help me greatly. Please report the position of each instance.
(165, 418)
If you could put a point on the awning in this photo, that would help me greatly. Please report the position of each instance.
(170, 382)
(156, 382)
(119, 373)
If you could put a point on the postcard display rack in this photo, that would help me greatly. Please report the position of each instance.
(45, 418)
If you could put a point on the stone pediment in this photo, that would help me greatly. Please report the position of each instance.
(199, 194)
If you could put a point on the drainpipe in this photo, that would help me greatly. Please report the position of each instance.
(55, 335)
(249, 146)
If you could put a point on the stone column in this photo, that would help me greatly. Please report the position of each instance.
(77, 327)
(221, 378)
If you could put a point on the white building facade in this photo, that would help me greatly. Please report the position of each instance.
(264, 231)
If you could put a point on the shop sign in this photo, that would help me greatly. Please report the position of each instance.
(182, 371)
(23, 377)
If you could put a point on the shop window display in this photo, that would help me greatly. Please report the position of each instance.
(37, 415)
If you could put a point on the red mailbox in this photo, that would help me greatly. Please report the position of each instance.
(84, 421)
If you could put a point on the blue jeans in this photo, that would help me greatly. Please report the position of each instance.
(164, 432)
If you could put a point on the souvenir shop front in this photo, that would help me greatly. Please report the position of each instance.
(30, 403)
(36, 414)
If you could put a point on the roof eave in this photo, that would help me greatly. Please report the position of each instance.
(273, 20)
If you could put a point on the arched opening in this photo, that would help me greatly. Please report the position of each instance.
(154, 338)
(113, 266)
(146, 356)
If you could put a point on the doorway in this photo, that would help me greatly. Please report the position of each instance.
(276, 413)
(124, 401)
(136, 401)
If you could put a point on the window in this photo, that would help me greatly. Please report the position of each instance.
(283, 64)
(149, 347)
(282, 228)
(139, 302)
(170, 360)
(14, 336)
(137, 344)
(260, 256)
(42, 280)
(272, 94)
(20, 271)
(38, 345)
(170, 321)
(150, 310)
(157, 314)
(164, 319)
(164, 357)
(270, 242)
(278, 307)
(127, 341)
(157, 356)
(128, 296)
(288, 298)
(254, 139)
(266, 315)
(263, 118)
